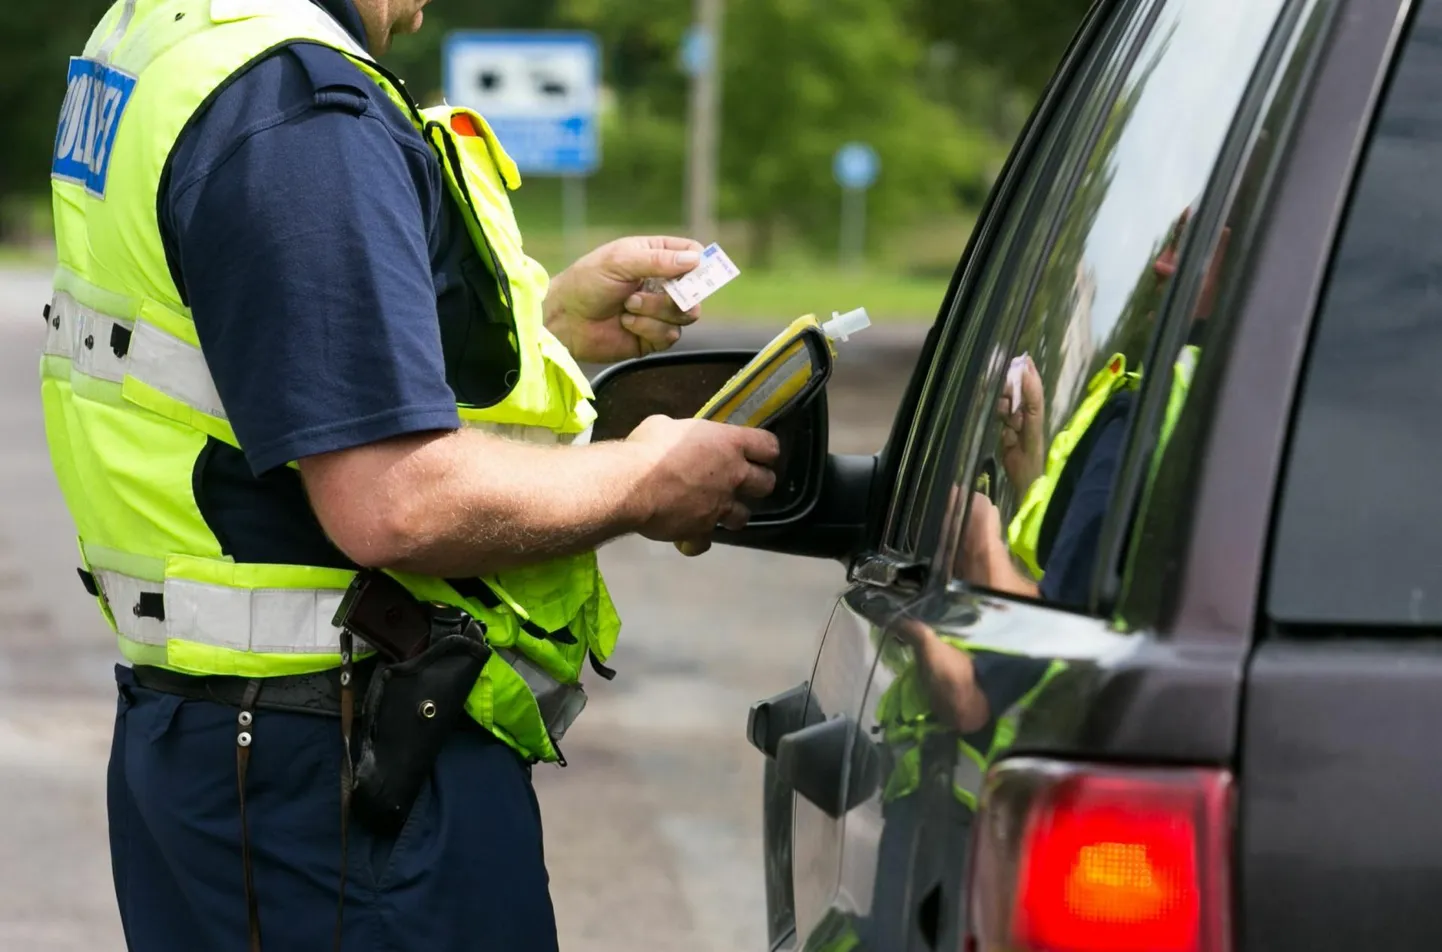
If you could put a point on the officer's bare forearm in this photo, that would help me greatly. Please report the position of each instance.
(468, 503)
(1003, 576)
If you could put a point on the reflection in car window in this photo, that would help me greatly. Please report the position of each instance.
(1057, 431)
(939, 712)
(1018, 242)
(1359, 535)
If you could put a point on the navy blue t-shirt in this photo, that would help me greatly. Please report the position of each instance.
(308, 227)
(1072, 560)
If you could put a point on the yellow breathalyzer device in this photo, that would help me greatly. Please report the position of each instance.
(786, 373)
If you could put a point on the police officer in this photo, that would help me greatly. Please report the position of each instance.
(951, 710)
(294, 336)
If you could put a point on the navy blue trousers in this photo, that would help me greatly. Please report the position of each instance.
(465, 874)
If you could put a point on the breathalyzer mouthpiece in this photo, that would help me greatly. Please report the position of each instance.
(842, 326)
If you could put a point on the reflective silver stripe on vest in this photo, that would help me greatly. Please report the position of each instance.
(83, 335)
(967, 775)
(175, 368)
(122, 594)
(1186, 366)
(155, 358)
(284, 621)
(560, 704)
(178, 369)
(265, 621)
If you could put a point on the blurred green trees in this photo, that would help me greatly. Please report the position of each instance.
(36, 40)
(938, 87)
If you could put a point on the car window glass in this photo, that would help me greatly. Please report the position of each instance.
(1053, 428)
(1358, 539)
(1016, 248)
(1214, 276)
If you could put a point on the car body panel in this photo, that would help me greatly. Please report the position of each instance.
(838, 690)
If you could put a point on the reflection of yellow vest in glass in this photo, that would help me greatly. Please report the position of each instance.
(129, 401)
(1024, 532)
(904, 714)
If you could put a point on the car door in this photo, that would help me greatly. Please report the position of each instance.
(1104, 270)
(805, 830)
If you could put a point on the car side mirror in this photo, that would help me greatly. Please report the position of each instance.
(678, 385)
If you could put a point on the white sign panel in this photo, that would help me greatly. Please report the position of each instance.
(539, 91)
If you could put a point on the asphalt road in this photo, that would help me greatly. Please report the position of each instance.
(653, 830)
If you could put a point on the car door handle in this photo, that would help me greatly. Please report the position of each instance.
(831, 764)
(772, 719)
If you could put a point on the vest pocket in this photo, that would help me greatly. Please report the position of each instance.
(568, 595)
(478, 340)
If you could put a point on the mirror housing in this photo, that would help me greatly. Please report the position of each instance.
(678, 385)
(820, 505)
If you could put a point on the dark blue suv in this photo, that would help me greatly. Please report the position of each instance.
(1142, 647)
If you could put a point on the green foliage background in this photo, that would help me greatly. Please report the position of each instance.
(938, 87)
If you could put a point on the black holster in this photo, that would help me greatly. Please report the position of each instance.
(408, 711)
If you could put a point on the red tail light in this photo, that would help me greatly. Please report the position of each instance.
(1072, 858)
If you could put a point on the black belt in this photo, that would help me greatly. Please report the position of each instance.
(296, 693)
(317, 693)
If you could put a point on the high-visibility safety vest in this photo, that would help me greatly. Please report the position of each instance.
(1183, 372)
(836, 932)
(905, 716)
(130, 403)
(1024, 532)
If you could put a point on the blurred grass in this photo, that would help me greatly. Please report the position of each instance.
(778, 296)
(903, 278)
(891, 288)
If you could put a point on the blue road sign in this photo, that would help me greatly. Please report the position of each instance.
(696, 51)
(540, 92)
(856, 166)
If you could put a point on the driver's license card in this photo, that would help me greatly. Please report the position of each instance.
(713, 273)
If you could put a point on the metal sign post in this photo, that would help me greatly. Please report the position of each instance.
(856, 168)
(700, 58)
(573, 216)
(540, 93)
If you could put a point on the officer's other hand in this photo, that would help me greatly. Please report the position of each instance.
(982, 546)
(695, 476)
(983, 556)
(1023, 437)
(601, 308)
